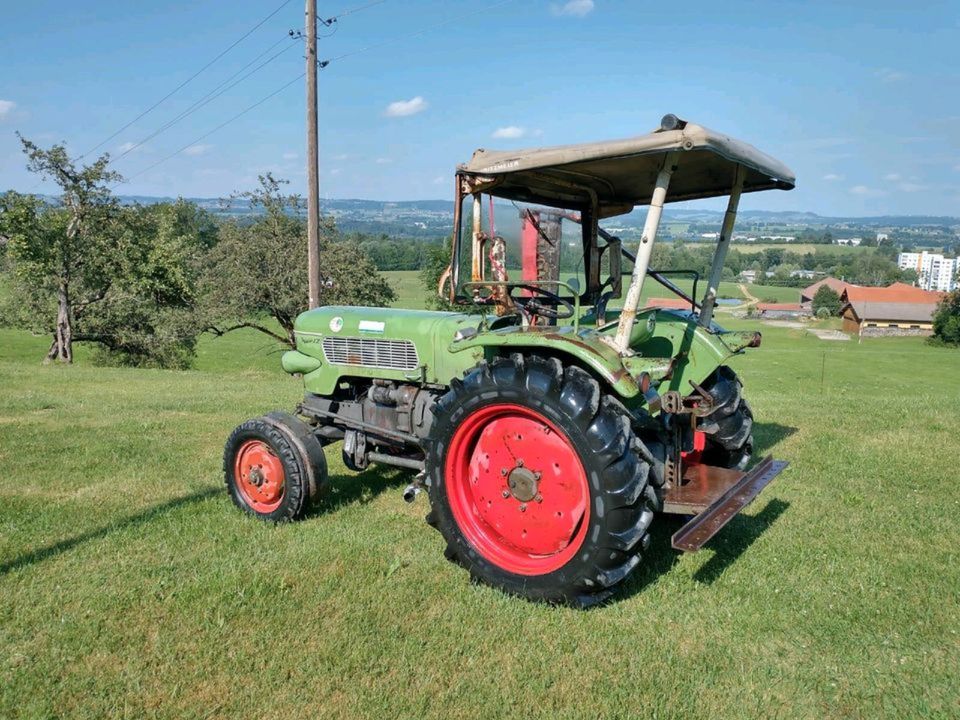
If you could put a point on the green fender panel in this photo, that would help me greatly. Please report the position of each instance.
(586, 346)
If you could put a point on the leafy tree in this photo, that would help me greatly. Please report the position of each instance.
(64, 253)
(826, 299)
(435, 266)
(909, 276)
(946, 320)
(258, 270)
(132, 294)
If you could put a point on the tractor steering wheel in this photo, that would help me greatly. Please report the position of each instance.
(557, 308)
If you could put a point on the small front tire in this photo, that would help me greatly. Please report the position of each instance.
(273, 467)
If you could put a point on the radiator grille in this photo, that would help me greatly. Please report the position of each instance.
(371, 352)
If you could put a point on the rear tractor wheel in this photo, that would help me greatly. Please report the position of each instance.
(537, 482)
(729, 428)
(273, 466)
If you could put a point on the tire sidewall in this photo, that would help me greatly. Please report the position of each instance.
(295, 489)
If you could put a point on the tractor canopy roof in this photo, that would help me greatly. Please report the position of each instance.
(622, 173)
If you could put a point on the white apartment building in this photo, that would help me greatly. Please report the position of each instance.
(935, 271)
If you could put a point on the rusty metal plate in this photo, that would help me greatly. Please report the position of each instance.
(692, 536)
(702, 485)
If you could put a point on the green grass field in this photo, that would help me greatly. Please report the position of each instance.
(132, 588)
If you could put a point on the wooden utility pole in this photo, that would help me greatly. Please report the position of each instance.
(313, 178)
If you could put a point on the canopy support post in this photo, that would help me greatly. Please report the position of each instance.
(723, 245)
(629, 313)
(476, 241)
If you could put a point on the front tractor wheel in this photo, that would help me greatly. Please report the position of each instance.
(273, 466)
(537, 482)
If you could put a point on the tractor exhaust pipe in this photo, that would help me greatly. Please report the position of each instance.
(415, 488)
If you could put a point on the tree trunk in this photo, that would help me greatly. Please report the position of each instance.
(61, 349)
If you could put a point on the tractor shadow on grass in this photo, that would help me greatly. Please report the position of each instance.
(727, 545)
(358, 488)
(140, 518)
(733, 540)
(766, 436)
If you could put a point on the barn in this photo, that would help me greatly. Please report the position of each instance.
(898, 309)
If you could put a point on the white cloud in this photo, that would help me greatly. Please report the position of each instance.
(383, 161)
(892, 177)
(912, 187)
(864, 191)
(402, 108)
(831, 177)
(195, 150)
(957, 167)
(573, 8)
(126, 147)
(6, 107)
(439, 180)
(290, 156)
(335, 171)
(889, 75)
(510, 132)
(341, 156)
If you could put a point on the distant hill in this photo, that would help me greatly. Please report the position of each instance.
(424, 216)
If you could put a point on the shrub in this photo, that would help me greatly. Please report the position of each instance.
(946, 320)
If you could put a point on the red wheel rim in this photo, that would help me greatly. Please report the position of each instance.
(517, 489)
(259, 476)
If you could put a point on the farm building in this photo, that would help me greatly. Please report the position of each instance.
(786, 311)
(838, 286)
(898, 309)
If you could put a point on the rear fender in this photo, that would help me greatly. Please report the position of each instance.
(596, 356)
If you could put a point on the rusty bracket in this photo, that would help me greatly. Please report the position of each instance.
(692, 536)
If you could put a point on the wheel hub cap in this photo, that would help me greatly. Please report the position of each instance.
(523, 484)
(259, 476)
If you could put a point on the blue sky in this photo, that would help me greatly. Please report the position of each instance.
(861, 99)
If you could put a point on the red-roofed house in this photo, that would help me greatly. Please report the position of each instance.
(838, 286)
(898, 309)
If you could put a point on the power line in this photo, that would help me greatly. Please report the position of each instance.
(351, 11)
(227, 85)
(216, 129)
(187, 81)
(321, 64)
(422, 31)
(219, 90)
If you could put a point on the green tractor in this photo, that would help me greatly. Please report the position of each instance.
(548, 426)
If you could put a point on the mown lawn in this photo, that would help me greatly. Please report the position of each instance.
(130, 587)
